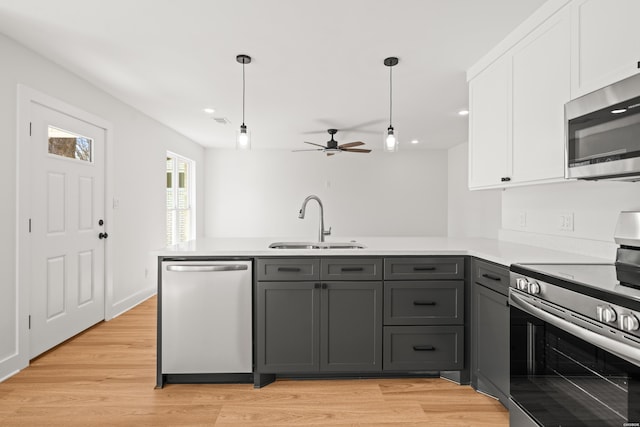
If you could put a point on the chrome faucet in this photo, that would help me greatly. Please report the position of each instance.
(322, 231)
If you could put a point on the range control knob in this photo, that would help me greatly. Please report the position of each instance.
(606, 314)
(534, 288)
(629, 322)
(522, 284)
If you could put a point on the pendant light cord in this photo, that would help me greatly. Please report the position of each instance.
(390, 95)
(243, 93)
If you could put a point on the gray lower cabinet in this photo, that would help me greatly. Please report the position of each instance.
(424, 305)
(490, 333)
(288, 330)
(351, 327)
(310, 326)
(423, 348)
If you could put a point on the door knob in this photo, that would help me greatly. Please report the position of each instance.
(103, 236)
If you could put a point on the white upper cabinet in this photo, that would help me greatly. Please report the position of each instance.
(516, 121)
(489, 125)
(606, 43)
(518, 90)
(541, 87)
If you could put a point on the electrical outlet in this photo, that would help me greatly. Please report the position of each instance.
(566, 221)
(522, 219)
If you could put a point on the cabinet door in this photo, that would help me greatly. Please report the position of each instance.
(541, 87)
(605, 43)
(489, 125)
(351, 326)
(287, 321)
(491, 342)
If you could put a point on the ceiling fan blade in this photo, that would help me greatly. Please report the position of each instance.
(311, 149)
(313, 143)
(351, 144)
(356, 150)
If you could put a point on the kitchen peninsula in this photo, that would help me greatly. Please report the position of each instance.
(395, 307)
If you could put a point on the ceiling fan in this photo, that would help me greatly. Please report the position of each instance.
(332, 146)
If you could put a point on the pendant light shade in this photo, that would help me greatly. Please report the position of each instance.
(243, 137)
(390, 143)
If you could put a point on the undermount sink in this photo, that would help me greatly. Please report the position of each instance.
(316, 245)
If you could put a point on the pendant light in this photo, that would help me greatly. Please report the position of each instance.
(243, 137)
(390, 136)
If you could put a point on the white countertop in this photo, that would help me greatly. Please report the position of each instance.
(497, 251)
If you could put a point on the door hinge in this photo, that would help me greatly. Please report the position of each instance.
(29, 225)
(29, 321)
(29, 128)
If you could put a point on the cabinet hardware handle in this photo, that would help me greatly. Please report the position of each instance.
(423, 268)
(352, 269)
(505, 179)
(491, 277)
(324, 286)
(507, 303)
(424, 303)
(316, 285)
(423, 348)
(289, 269)
(103, 236)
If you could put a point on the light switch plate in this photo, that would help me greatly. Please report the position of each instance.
(566, 221)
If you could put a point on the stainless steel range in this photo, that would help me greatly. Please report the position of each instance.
(575, 339)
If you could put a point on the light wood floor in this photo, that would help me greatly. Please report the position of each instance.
(106, 376)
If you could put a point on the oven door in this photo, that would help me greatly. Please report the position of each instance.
(560, 376)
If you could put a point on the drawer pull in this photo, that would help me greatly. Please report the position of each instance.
(424, 303)
(423, 348)
(491, 277)
(423, 268)
(289, 269)
(352, 269)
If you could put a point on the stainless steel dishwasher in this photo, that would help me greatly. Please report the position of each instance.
(205, 317)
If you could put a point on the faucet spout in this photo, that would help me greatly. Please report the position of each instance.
(322, 232)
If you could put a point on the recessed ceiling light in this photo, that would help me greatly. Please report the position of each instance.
(463, 112)
(209, 110)
(414, 141)
(618, 111)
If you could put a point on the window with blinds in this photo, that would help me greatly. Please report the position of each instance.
(180, 199)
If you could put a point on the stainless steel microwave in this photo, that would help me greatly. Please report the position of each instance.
(603, 133)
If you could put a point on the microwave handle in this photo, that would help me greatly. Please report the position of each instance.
(621, 350)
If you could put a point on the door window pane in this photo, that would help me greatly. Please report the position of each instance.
(68, 144)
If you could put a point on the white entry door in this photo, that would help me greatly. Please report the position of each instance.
(67, 226)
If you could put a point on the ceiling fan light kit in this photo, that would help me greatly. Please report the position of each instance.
(390, 136)
(243, 137)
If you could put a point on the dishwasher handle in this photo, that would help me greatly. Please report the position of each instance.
(203, 268)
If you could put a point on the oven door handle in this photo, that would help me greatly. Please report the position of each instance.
(619, 349)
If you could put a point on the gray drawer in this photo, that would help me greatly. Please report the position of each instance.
(428, 268)
(284, 269)
(493, 276)
(424, 303)
(423, 348)
(351, 269)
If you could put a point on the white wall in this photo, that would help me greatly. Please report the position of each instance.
(471, 213)
(594, 205)
(259, 193)
(140, 146)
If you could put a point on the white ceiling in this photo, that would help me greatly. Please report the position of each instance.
(316, 63)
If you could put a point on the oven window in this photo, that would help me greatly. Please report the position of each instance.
(561, 380)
